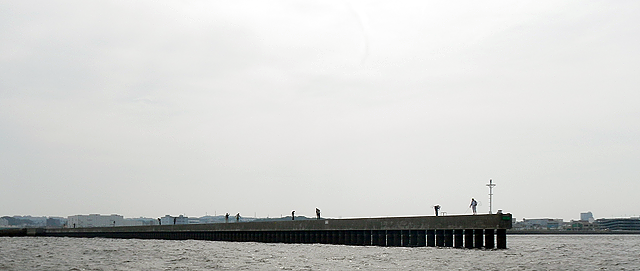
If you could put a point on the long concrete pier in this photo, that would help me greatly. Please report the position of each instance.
(468, 231)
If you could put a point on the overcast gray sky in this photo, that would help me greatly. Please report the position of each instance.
(359, 108)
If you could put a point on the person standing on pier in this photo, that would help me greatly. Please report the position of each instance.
(318, 213)
(238, 217)
(226, 218)
(437, 208)
(293, 215)
(473, 205)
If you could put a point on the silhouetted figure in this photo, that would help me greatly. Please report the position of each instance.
(74, 225)
(437, 208)
(473, 205)
(317, 213)
(174, 220)
(238, 217)
(159, 221)
(293, 215)
(226, 218)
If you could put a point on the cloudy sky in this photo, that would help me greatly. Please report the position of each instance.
(362, 109)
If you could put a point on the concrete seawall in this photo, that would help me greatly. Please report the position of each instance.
(470, 231)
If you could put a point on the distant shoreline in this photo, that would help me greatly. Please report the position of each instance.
(561, 232)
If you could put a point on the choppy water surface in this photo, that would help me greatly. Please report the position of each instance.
(527, 252)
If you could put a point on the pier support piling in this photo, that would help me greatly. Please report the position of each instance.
(489, 239)
(431, 238)
(440, 238)
(458, 238)
(406, 238)
(477, 240)
(448, 238)
(468, 238)
(502, 238)
(422, 235)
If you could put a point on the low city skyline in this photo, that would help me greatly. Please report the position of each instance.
(255, 216)
(361, 109)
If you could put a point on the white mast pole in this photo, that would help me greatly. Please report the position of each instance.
(490, 185)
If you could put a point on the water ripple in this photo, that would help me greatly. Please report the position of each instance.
(546, 252)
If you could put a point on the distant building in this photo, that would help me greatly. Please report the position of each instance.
(141, 221)
(580, 225)
(588, 216)
(132, 222)
(173, 220)
(4, 222)
(28, 221)
(55, 222)
(619, 224)
(211, 219)
(541, 224)
(94, 220)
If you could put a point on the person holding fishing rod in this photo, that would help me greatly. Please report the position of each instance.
(473, 205)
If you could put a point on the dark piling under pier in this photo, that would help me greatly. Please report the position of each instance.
(468, 231)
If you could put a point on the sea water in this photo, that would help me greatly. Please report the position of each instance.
(525, 252)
